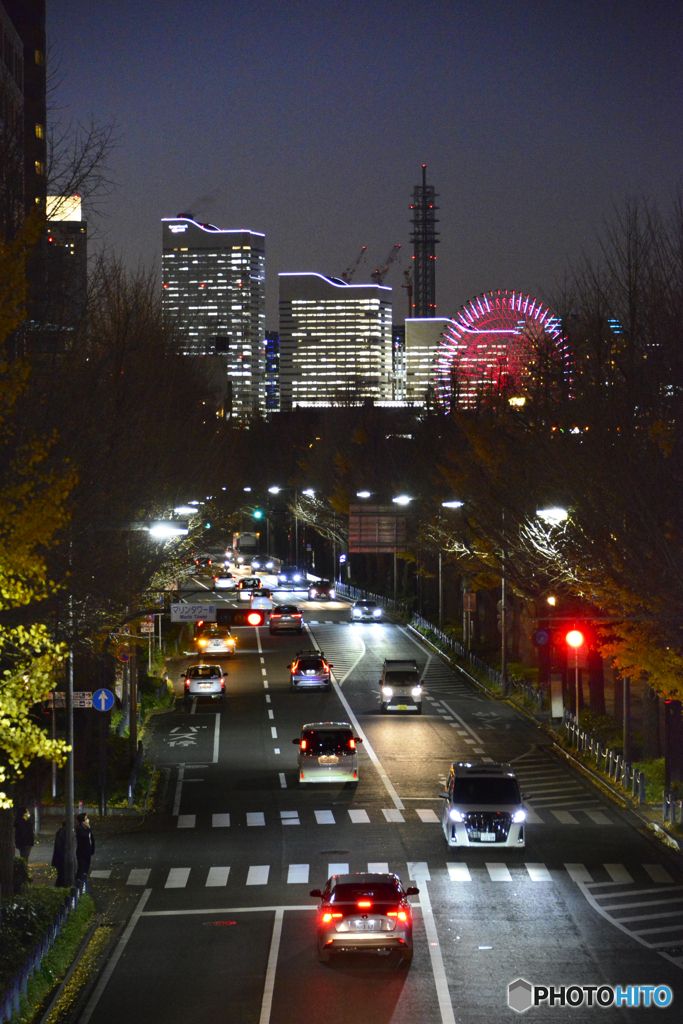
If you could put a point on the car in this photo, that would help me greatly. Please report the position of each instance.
(204, 563)
(286, 617)
(262, 563)
(400, 686)
(309, 668)
(366, 611)
(246, 585)
(262, 598)
(224, 581)
(204, 681)
(291, 574)
(365, 912)
(483, 806)
(322, 590)
(328, 753)
(213, 639)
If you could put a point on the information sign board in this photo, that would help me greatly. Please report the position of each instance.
(193, 612)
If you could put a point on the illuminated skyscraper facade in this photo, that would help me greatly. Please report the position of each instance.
(214, 297)
(335, 342)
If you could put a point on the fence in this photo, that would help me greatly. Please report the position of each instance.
(18, 987)
(402, 608)
(619, 770)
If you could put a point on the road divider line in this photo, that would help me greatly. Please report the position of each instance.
(178, 789)
(283, 781)
(438, 969)
(463, 723)
(216, 738)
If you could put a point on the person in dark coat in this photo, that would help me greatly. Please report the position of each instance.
(23, 833)
(59, 855)
(85, 847)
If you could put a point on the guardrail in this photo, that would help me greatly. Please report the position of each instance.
(18, 986)
(619, 771)
(402, 608)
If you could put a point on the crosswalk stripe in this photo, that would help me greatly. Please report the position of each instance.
(532, 818)
(337, 869)
(100, 874)
(220, 820)
(217, 876)
(256, 818)
(187, 820)
(418, 870)
(426, 814)
(498, 872)
(177, 878)
(617, 872)
(378, 867)
(598, 817)
(324, 817)
(658, 873)
(393, 815)
(138, 876)
(258, 874)
(297, 874)
(459, 873)
(538, 873)
(359, 817)
(564, 817)
(290, 817)
(578, 873)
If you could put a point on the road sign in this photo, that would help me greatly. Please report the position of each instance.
(82, 699)
(103, 699)
(146, 627)
(342, 558)
(123, 653)
(193, 612)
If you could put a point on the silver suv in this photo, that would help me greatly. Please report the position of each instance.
(483, 806)
(204, 681)
(310, 669)
(400, 686)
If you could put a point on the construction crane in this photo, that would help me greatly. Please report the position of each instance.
(408, 285)
(379, 275)
(347, 274)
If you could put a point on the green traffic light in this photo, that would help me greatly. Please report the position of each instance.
(258, 514)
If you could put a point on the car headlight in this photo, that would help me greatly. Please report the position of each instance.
(313, 593)
(297, 578)
(455, 815)
(269, 565)
(331, 594)
(416, 691)
(519, 816)
(387, 691)
(377, 612)
(356, 613)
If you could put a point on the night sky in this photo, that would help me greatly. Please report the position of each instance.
(310, 122)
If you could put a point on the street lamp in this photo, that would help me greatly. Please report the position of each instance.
(402, 499)
(273, 490)
(166, 528)
(552, 516)
(363, 494)
(185, 510)
(575, 639)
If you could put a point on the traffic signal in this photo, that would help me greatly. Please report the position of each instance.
(240, 617)
(258, 513)
(575, 638)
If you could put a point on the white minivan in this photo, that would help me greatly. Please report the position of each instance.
(328, 752)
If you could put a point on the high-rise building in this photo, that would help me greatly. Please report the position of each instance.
(335, 341)
(214, 297)
(398, 362)
(425, 238)
(66, 261)
(423, 337)
(272, 371)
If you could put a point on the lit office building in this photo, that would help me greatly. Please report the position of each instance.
(272, 371)
(66, 261)
(214, 297)
(422, 339)
(335, 342)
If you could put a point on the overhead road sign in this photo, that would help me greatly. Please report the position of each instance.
(193, 612)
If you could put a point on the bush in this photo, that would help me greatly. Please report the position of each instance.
(20, 875)
(25, 920)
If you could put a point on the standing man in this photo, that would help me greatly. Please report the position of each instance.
(23, 833)
(59, 855)
(85, 847)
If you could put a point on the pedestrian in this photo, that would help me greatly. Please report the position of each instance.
(85, 847)
(23, 833)
(59, 855)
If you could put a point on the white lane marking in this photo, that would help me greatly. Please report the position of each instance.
(265, 684)
(100, 874)
(194, 706)
(187, 820)
(216, 738)
(263, 672)
(258, 874)
(617, 872)
(220, 821)
(273, 732)
(337, 869)
(578, 873)
(324, 817)
(426, 815)
(258, 643)
(564, 817)
(471, 741)
(391, 814)
(379, 867)
(598, 817)
(217, 876)
(418, 870)
(263, 661)
(256, 818)
(298, 874)
(277, 750)
(359, 817)
(531, 817)
(177, 878)
(478, 750)
(178, 788)
(475, 736)
(440, 979)
(139, 876)
(109, 969)
(538, 873)
(267, 698)
(283, 781)
(459, 873)
(269, 986)
(271, 714)
(498, 872)
(658, 873)
(290, 817)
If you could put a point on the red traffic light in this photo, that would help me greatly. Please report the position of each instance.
(255, 618)
(574, 638)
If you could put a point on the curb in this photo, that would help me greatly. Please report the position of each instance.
(80, 952)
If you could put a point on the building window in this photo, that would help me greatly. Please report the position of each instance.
(40, 131)
(40, 58)
(40, 167)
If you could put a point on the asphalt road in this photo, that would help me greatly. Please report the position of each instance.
(225, 928)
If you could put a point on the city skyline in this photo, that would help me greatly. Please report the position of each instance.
(311, 124)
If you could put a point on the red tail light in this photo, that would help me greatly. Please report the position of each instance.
(303, 744)
(296, 615)
(352, 744)
(364, 903)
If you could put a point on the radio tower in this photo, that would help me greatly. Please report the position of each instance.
(424, 239)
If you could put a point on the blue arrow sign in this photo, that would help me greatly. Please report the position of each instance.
(103, 700)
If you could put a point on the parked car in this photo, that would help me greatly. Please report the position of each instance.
(328, 753)
(308, 669)
(483, 806)
(286, 618)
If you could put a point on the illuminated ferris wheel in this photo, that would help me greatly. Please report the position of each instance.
(501, 344)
